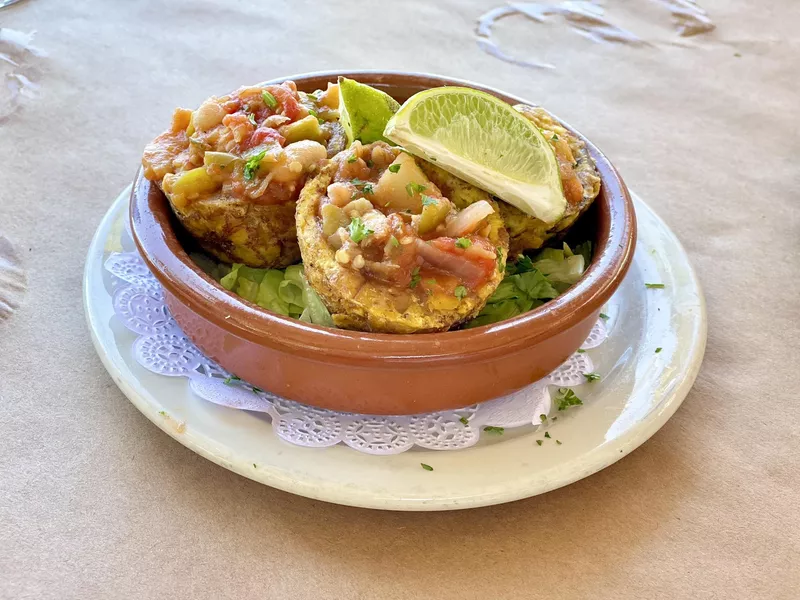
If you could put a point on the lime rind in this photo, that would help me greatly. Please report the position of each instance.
(364, 111)
(484, 141)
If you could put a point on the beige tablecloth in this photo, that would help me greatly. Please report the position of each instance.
(96, 502)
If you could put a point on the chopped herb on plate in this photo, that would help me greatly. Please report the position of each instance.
(426, 467)
(565, 398)
(592, 376)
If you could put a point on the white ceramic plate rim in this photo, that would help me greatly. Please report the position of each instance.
(298, 481)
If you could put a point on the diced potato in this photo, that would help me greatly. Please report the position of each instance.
(392, 189)
(208, 115)
(433, 215)
(191, 184)
(181, 119)
(330, 97)
(304, 129)
(333, 217)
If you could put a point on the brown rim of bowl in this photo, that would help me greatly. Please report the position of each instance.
(169, 262)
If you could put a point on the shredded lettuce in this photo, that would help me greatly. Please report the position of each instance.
(531, 281)
(285, 292)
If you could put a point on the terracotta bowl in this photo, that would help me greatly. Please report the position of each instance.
(373, 373)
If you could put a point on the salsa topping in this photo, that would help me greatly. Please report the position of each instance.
(388, 221)
(257, 144)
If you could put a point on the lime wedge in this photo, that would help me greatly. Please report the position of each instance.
(364, 111)
(484, 141)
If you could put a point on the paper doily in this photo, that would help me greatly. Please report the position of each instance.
(161, 347)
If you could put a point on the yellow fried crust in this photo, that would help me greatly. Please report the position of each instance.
(238, 231)
(368, 305)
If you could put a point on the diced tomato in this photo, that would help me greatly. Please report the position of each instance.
(472, 277)
(263, 134)
(289, 105)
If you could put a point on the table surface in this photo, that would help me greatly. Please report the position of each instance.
(96, 502)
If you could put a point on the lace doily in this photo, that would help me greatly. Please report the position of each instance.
(161, 347)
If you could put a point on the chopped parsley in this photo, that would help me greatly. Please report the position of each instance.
(353, 158)
(555, 137)
(269, 99)
(543, 418)
(657, 286)
(426, 467)
(604, 316)
(394, 168)
(464, 421)
(494, 430)
(357, 230)
(592, 376)
(460, 292)
(414, 188)
(368, 189)
(463, 243)
(414, 278)
(252, 118)
(163, 413)
(539, 442)
(566, 398)
(370, 163)
(231, 379)
(580, 351)
(394, 242)
(547, 434)
(658, 349)
(429, 201)
(255, 466)
(252, 165)
(558, 442)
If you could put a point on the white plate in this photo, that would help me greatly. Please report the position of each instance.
(639, 392)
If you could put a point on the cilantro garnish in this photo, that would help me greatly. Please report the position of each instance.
(592, 376)
(352, 158)
(539, 442)
(464, 421)
(426, 467)
(580, 351)
(357, 230)
(463, 243)
(269, 99)
(394, 168)
(566, 398)
(558, 442)
(658, 349)
(252, 165)
(231, 379)
(658, 286)
(555, 137)
(460, 292)
(547, 434)
(429, 201)
(604, 316)
(414, 278)
(414, 188)
(368, 189)
(495, 430)
(543, 418)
